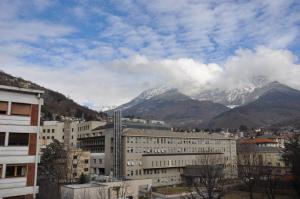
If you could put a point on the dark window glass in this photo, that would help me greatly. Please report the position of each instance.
(2, 138)
(15, 171)
(18, 139)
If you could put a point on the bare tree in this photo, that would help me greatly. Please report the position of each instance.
(206, 177)
(122, 190)
(248, 168)
(269, 182)
(102, 193)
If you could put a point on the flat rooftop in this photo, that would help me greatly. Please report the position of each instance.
(20, 90)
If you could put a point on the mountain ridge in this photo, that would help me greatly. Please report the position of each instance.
(55, 103)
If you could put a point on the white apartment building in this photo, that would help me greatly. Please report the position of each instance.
(19, 129)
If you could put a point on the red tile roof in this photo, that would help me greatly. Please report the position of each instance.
(257, 141)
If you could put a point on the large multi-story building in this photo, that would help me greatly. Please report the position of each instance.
(19, 129)
(154, 151)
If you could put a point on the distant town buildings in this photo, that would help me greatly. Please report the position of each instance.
(263, 151)
(19, 129)
(152, 150)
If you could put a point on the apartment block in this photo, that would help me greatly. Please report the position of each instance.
(56, 130)
(78, 163)
(156, 152)
(19, 129)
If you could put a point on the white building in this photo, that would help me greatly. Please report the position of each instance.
(19, 128)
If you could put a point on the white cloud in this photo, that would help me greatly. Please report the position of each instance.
(116, 82)
(148, 44)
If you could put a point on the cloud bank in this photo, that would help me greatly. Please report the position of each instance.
(116, 82)
(103, 53)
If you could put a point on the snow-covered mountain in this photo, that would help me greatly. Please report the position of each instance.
(146, 95)
(235, 96)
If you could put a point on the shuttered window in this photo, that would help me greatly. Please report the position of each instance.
(20, 109)
(3, 107)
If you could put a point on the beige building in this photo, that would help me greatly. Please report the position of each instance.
(78, 163)
(159, 153)
(65, 131)
(162, 155)
(262, 152)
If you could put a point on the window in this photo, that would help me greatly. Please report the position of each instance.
(15, 171)
(100, 161)
(2, 138)
(3, 107)
(20, 109)
(18, 139)
(86, 161)
(75, 157)
(53, 131)
(86, 169)
(1, 169)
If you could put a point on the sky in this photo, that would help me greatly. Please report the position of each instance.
(106, 52)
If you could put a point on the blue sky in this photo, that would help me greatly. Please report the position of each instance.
(104, 53)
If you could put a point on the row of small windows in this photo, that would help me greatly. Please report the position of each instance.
(99, 161)
(175, 150)
(53, 130)
(19, 109)
(147, 140)
(146, 172)
(84, 128)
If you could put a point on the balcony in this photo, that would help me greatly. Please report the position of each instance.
(7, 183)
(14, 120)
(13, 150)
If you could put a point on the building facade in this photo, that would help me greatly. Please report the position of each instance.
(97, 163)
(19, 130)
(264, 153)
(158, 153)
(162, 155)
(78, 163)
